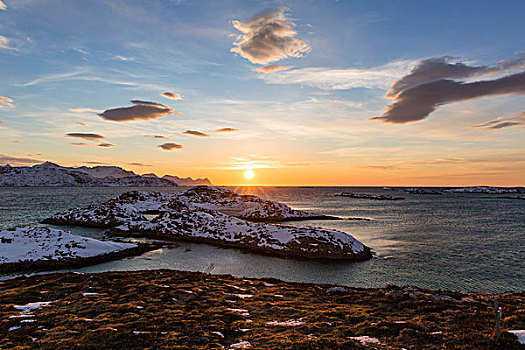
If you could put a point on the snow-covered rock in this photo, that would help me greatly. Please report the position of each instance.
(197, 215)
(485, 189)
(422, 190)
(215, 227)
(42, 243)
(248, 207)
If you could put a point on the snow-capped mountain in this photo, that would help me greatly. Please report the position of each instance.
(107, 172)
(53, 175)
(187, 181)
(182, 181)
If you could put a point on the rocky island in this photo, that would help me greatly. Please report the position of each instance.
(381, 197)
(485, 189)
(216, 216)
(42, 248)
(422, 190)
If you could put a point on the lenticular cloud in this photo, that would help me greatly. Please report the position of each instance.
(141, 110)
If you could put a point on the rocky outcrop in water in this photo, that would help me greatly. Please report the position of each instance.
(196, 215)
(380, 197)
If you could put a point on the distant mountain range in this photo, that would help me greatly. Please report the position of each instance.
(53, 175)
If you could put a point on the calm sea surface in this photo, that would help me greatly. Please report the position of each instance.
(450, 241)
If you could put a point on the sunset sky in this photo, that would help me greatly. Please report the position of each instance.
(302, 92)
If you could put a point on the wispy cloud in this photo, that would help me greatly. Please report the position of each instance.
(141, 110)
(504, 122)
(85, 110)
(170, 146)
(273, 68)
(268, 37)
(5, 43)
(6, 102)
(139, 164)
(122, 58)
(195, 133)
(17, 161)
(171, 95)
(81, 144)
(85, 136)
(341, 79)
(2, 6)
(430, 85)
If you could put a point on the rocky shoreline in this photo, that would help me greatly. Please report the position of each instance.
(190, 310)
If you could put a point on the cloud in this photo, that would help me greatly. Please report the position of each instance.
(504, 122)
(142, 110)
(91, 162)
(272, 68)
(85, 136)
(156, 137)
(5, 43)
(106, 145)
(171, 95)
(81, 144)
(427, 87)
(195, 133)
(437, 68)
(6, 102)
(139, 164)
(85, 110)
(1, 122)
(17, 161)
(34, 154)
(81, 124)
(169, 146)
(2, 6)
(122, 58)
(226, 130)
(380, 77)
(268, 37)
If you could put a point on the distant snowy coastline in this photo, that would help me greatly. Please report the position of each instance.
(53, 175)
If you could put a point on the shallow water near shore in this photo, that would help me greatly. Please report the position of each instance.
(449, 241)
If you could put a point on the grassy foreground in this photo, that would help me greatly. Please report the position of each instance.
(185, 310)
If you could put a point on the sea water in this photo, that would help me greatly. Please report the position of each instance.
(450, 241)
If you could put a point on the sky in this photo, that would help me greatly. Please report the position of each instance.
(370, 93)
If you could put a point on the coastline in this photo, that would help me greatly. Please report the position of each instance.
(168, 308)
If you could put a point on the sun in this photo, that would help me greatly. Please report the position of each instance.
(249, 174)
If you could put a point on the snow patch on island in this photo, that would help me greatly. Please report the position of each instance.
(42, 243)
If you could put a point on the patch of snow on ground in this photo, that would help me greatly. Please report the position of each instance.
(520, 334)
(289, 323)
(241, 345)
(365, 339)
(32, 306)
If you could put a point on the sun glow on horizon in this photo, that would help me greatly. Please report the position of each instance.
(249, 174)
